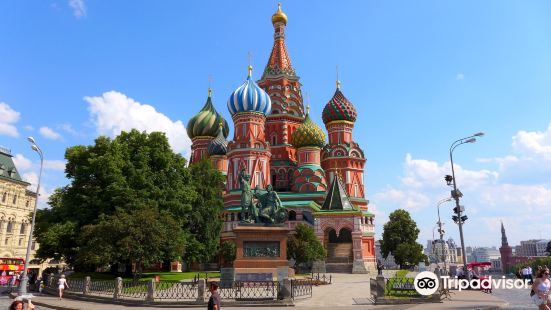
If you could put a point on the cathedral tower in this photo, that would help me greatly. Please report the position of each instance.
(280, 81)
(505, 250)
(248, 106)
(203, 127)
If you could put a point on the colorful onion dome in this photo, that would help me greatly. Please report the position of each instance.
(308, 134)
(339, 108)
(218, 145)
(279, 16)
(205, 123)
(249, 97)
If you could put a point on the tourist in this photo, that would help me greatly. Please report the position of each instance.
(214, 300)
(20, 305)
(61, 285)
(540, 289)
(525, 273)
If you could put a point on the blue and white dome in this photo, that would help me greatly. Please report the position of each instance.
(249, 97)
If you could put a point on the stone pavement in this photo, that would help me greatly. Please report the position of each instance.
(347, 292)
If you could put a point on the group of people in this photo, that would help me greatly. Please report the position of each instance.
(19, 304)
(526, 274)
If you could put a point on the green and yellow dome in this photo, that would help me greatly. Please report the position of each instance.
(206, 122)
(308, 134)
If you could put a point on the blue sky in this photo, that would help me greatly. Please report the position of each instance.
(420, 73)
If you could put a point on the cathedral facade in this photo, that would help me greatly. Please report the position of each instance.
(319, 178)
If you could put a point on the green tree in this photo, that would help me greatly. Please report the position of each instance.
(228, 251)
(205, 216)
(399, 238)
(132, 171)
(142, 237)
(303, 246)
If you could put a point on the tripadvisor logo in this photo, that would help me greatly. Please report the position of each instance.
(426, 283)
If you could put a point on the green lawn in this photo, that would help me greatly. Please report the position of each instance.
(166, 276)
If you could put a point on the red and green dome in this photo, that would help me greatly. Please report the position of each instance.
(308, 134)
(206, 122)
(339, 109)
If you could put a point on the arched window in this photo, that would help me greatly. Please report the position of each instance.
(10, 227)
(4, 197)
(23, 228)
(274, 140)
(233, 217)
(14, 199)
(292, 215)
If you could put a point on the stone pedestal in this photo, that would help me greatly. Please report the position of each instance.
(261, 249)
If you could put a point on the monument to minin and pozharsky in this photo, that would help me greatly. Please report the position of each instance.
(281, 171)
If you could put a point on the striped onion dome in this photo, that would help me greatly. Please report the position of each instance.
(205, 123)
(308, 134)
(218, 145)
(249, 97)
(339, 108)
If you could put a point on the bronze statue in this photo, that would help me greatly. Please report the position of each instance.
(267, 210)
(249, 213)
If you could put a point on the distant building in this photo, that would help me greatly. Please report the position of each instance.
(484, 254)
(453, 252)
(541, 247)
(528, 248)
(388, 262)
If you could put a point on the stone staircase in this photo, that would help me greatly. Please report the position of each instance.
(339, 258)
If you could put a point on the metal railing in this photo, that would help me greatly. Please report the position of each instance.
(133, 290)
(301, 288)
(250, 290)
(75, 285)
(176, 291)
(102, 287)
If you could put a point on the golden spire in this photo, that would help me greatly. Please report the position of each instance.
(221, 124)
(279, 16)
(250, 66)
(307, 104)
(338, 82)
(210, 90)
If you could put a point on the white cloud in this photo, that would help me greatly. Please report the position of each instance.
(21, 162)
(29, 128)
(54, 165)
(69, 129)
(114, 112)
(460, 76)
(8, 117)
(79, 8)
(402, 199)
(533, 143)
(422, 173)
(49, 133)
(31, 177)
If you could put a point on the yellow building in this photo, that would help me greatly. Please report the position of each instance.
(16, 206)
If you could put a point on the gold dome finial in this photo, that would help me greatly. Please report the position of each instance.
(279, 16)
(338, 82)
(250, 56)
(210, 92)
(221, 124)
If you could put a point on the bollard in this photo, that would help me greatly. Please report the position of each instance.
(380, 286)
(150, 291)
(118, 288)
(87, 284)
(201, 291)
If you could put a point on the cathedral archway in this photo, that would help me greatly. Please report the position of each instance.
(338, 246)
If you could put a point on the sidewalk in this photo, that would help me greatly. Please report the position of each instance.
(461, 300)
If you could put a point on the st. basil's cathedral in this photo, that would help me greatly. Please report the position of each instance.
(319, 182)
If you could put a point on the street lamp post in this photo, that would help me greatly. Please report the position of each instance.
(441, 231)
(25, 276)
(457, 194)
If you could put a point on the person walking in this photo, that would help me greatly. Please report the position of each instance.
(214, 300)
(61, 285)
(541, 288)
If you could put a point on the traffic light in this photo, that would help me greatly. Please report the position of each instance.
(456, 193)
(455, 218)
(449, 179)
(464, 218)
(459, 209)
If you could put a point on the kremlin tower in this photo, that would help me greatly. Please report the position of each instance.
(321, 184)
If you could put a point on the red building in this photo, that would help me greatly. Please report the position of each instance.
(320, 183)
